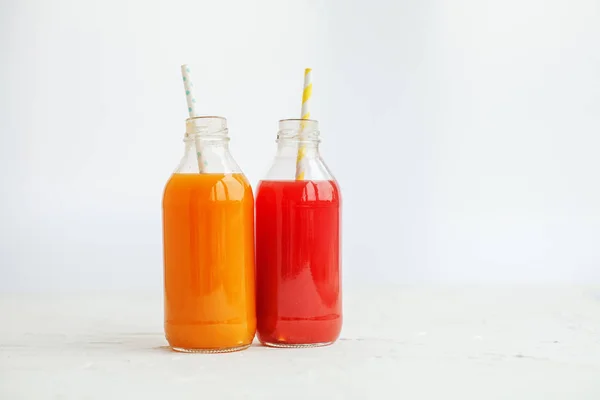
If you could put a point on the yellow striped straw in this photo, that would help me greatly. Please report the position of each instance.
(305, 114)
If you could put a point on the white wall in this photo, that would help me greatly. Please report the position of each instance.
(464, 133)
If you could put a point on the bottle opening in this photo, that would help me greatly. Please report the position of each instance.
(300, 129)
(206, 126)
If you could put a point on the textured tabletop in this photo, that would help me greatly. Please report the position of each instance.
(397, 342)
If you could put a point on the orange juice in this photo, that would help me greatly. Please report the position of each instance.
(208, 231)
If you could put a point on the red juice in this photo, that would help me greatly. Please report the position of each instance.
(298, 262)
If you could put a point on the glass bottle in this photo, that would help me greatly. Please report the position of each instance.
(298, 261)
(208, 232)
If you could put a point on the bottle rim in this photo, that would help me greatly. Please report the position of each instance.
(207, 117)
(206, 127)
(298, 119)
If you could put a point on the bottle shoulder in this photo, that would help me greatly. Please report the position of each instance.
(208, 187)
(212, 158)
(283, 168)
(326, 191)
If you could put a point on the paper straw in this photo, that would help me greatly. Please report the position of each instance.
(305, 114)
(188, 84)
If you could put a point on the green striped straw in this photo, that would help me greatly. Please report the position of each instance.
(188, 85)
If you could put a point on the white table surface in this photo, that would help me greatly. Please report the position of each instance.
(397, 342)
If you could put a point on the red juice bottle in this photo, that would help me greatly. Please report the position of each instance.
(298, 260)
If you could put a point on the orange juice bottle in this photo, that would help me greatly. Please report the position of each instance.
(208, 232)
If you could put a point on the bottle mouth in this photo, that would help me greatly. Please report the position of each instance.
(208, 117)
(298, 129)
(206, 126)
(298, 120)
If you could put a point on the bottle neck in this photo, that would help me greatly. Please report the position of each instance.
(298, 150)
(207, 147)
(297, 134)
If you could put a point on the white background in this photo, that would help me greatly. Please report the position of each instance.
(464, 134)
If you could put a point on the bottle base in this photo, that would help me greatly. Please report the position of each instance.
(211, 351)
(296, 345)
